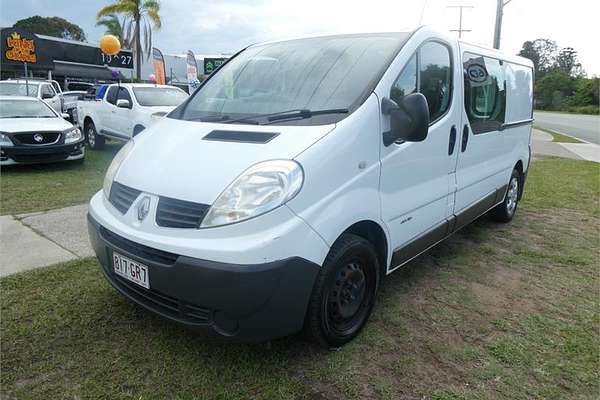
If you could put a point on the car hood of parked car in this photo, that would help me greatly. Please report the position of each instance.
(14, 125)
(196, 161)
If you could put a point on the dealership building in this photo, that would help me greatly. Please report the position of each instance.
(63, 60)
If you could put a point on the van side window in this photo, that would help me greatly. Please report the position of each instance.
(429, 71)
(111, 96)
(435, 77)
(406, 83)
(485, 93)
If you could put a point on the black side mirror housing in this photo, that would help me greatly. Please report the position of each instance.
(409, 120)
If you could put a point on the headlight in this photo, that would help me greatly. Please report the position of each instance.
(260, 189)
(73, 135)
(5, 141)
(114, 167)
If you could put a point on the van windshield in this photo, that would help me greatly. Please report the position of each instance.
(316, 74)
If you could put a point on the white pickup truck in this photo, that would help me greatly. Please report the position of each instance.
(124, 110)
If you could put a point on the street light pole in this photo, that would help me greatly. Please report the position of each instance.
(498, 28)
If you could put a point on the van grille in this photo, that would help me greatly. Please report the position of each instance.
(122, 196)
(136, 249)
(173, 213)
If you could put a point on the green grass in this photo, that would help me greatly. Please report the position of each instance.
(559, 137)
(496, 312)
(41, 187)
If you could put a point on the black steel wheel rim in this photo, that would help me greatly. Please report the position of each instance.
(349, 298)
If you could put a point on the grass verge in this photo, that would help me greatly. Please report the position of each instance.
(558, 137)
(41, 187)
(496, 312)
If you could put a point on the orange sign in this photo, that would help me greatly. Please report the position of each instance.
(20, 49)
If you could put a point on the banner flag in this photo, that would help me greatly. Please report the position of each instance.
(192, 72)
(159, 66)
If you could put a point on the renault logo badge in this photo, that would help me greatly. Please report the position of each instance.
(143, 207)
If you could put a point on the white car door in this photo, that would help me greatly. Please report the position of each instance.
(482, 161)
(416, 192)
(49, 95)
(108, 112)
(124, 117)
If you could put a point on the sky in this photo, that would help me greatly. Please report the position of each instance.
(225, 26)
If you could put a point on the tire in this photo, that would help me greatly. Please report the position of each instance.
(344, 292)
(95, 141)
(505, 211)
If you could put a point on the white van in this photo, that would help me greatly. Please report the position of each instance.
(302, 172)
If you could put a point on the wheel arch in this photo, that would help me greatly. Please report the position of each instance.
(87, 121)
(519, 167)
(138, 128)
(376, 235)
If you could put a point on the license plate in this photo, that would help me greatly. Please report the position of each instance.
(131, 270)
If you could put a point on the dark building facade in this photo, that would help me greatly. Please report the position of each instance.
(59, 59)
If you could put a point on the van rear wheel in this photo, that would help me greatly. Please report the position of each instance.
(505, 211)
(95, 141)
(344, 293)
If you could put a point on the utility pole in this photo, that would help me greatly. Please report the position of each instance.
(460, 29)
(498, 28)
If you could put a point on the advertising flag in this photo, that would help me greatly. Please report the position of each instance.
(159, 66)
(192, 72)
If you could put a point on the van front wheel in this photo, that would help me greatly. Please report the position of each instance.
(344, 292)
(505, 211)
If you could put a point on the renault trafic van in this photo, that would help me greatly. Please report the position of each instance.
(302, 172)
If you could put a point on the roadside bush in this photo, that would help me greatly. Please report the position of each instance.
(595, 110)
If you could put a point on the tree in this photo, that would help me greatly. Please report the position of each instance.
(115, 27)
(139, 13)
(552, 90)
(543, 53)
(52, 26)
(566, 61)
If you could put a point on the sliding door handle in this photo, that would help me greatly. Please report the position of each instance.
(465, 138)
(452, 141)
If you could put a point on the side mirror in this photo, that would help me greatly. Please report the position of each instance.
(409, 120)
(65, 116)
(122, 103)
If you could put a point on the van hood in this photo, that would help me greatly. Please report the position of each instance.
(177, 159)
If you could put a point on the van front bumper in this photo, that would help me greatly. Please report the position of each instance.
(248, 303)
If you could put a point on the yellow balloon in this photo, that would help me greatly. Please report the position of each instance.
(110, 45)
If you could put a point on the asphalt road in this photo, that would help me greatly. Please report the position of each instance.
(586, 127)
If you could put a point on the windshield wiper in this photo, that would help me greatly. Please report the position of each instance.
(298, 113)
(226, 119)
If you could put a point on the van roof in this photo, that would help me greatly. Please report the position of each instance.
(399, 35)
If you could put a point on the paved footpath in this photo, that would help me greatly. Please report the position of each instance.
(543, 145)
(36, 240)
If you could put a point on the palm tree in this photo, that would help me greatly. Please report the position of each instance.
(138, 13)
(115, 27)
